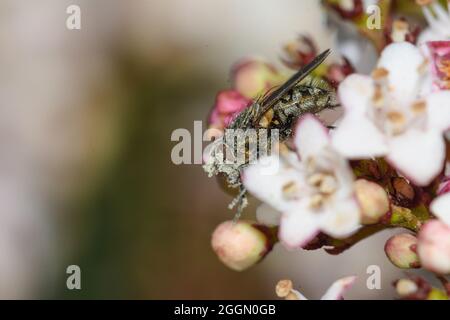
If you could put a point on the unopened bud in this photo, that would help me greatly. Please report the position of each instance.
(254, 77)
(401, 251)
(240, 245)
(434, 247)
(228, 104)
(283, 288)
(406, 287)
(372, 199)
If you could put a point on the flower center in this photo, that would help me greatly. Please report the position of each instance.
(389, 117)
(290, 190)
(323, 186)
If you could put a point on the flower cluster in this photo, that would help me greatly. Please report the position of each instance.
(383, 164)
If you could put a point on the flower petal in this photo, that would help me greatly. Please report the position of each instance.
(266, 179)
(438, 109)
(338, 288)
(357, 137)
(356, 93)
(403, 61)
(419, 155)
(311, 136)
(441, 208)
(298, 227)
(342, 218)
(267, 215)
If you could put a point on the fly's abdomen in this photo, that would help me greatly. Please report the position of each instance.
(301, 100)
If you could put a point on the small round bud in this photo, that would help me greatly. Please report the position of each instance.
(401, 251)
(240, 245)
(434, 246)
(372, 199)
(253, 77)
(406, 287)
(283, 288)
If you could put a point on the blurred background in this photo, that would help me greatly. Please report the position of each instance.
(85, 171)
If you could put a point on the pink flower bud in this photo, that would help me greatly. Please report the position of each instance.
(299, 53)
(242, 244)
(440, 58)
(406, 287)
(228, 104)
(413, 288)
(401, 251)
(252, 77)
(434, 246)
(372, 199)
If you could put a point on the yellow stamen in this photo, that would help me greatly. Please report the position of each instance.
(379, 73)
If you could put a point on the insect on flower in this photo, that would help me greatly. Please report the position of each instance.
(274, 115)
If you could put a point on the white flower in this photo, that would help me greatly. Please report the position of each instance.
(388, 115)
(439, 23)
(314, 193)
(285, 289)
(434, 238)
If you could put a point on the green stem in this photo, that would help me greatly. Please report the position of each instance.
(411, 219)
(340, 245)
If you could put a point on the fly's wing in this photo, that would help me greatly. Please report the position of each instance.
(270, 101)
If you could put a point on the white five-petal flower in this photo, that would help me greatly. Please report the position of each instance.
(389, 115)
(313, 194)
